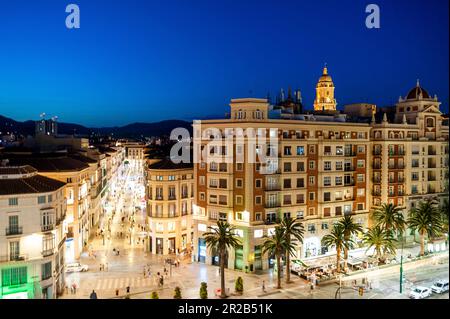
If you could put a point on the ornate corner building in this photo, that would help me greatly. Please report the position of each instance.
(327, 164)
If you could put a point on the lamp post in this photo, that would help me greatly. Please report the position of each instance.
(401, 268)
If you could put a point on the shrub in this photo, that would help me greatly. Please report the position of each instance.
(239, 285)
(203, 290)
(154, 295)
(177, 293)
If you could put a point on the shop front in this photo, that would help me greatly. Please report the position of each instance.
(239, 257)
(312, 247)
(159, 246)
(201, 250)
(258, 258)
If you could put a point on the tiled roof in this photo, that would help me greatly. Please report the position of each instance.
(7, 170)
(30, 185)
(49, 164)
(83, 158)
(168, 164)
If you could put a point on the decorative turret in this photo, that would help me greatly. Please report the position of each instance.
(325, 100)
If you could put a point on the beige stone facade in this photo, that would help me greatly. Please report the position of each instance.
(169, 193)
(326, 169)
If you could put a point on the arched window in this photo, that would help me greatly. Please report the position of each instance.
(240, 114)
(377, 134)
(258, 114)
(430, 122)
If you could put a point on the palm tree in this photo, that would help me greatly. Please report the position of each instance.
(426, 219)
(444, 210)
(382, 241)
(350, 228)
(336, 238)
(292, 228)
(277, 245)
(390, 218)
(219, 239)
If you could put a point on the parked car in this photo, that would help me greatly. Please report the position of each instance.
(420, 293)
(76, 267)
(440, 286)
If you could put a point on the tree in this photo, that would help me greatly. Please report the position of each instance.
(426, 220)
(154, 295)
(239, 285)
(390, 218)
(177, 293)
(382, 241)
(203, 290)
(291, 228)
(444, 210)
(221, 238)
(278, 246)
(350, 228)
(336, 239)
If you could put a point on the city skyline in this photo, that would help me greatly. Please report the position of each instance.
(133, 63)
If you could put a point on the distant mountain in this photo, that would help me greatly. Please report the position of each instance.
(130, 130)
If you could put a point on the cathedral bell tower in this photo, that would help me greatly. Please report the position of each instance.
(325, 100)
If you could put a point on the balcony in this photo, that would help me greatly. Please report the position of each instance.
(47, 252)
(349, 182)
(172, 198)
(349, 169)
(401, 180)
(431, 152)
(16, 230)
(431, 178)
(376, 193)
(272, 205)
(376, 152)
(376, 166)
(14, 257)
(184, 196)
(349, 154)
(273, 188)
(398, 166)
(48, 227)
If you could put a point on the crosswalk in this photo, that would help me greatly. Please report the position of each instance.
(118, 283)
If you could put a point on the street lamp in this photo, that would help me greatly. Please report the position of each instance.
(401, 267)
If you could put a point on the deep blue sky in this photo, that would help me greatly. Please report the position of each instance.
(139, 60)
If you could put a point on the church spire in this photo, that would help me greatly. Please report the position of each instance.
(325, 69)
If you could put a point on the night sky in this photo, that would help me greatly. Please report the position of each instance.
(146, 61)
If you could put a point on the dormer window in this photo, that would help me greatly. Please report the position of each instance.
(430, 122)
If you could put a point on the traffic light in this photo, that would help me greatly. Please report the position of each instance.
(361, 291)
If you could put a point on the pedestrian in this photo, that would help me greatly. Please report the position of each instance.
(100, 267)
(117, 292)
(128, 289)
(264, 286)
(93, 295)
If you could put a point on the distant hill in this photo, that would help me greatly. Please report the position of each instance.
(130, 130)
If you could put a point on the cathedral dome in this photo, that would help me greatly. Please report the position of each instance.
(325, 76)
(416, 92)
